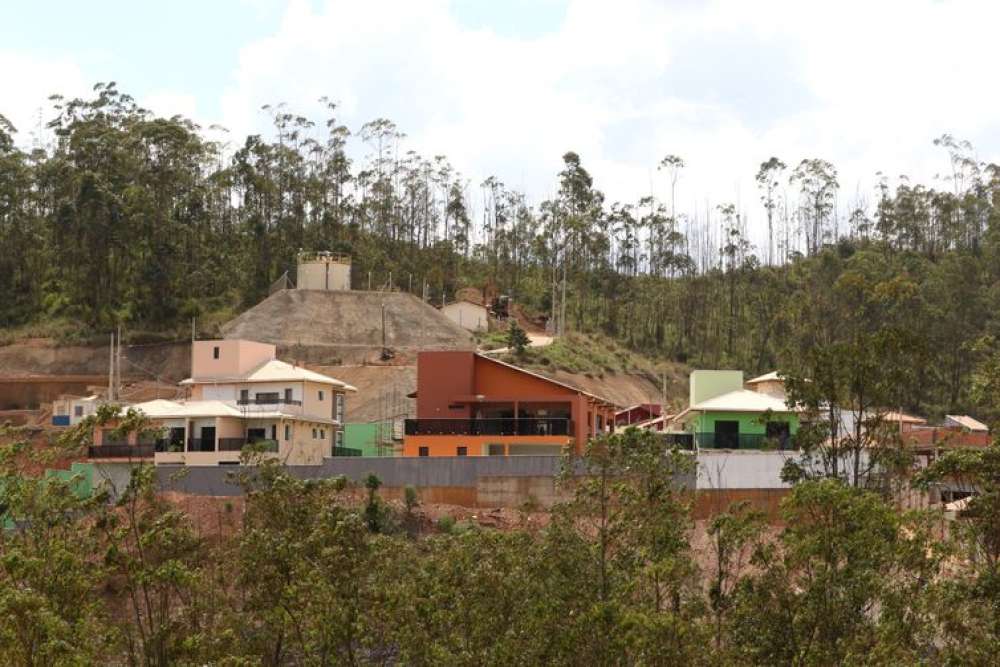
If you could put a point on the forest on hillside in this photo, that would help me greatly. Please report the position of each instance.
(126, 218)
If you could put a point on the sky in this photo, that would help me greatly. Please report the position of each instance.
(505, 88)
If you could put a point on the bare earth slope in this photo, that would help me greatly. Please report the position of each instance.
(318, 326)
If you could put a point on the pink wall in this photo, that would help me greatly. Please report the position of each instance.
(236, 357)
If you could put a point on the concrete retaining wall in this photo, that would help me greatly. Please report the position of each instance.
(472, 481)
(723, 469)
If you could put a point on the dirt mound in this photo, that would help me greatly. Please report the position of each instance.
(347, 325)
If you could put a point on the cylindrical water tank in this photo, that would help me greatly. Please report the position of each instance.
(323, 271)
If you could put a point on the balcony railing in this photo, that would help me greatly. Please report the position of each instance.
(742, 441)
(528, 426)
(237, 444)
(679, 440)
(120, 451)
(201, 445)
(268, 401)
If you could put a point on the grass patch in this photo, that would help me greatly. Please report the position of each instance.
(592, 355)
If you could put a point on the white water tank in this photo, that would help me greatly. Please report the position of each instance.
(323, 271)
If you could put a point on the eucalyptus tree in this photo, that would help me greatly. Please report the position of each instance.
(768, 179)
(817, 181)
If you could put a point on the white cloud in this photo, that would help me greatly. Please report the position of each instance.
(168, 103)
(28, 81)
(724, 84)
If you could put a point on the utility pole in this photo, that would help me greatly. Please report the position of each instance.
(118, 363)
(111, 368)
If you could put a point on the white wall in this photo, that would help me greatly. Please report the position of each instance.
(721, 469)
(742, 470)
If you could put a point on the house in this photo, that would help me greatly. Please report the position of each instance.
(70, 410)
(722, 414)
(771, 384)
(965, 423)
(472, 405)
(238, 394)
(466, 314)
(636, 414)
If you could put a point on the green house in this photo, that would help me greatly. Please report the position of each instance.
(725, 415)
(365, 437)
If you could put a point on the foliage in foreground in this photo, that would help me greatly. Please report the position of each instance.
(616, 577)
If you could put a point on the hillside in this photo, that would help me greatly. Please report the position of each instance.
(324, 327)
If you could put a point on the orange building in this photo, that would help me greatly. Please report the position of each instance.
(471, 405)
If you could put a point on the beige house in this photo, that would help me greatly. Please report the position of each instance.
(239, 394)
(771, 384)
(466, 314)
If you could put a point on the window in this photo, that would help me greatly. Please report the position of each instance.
(288, 395)
(463, 451)
(338, 437)
(322, 434)
(244, 395)
(339, 416)
(314, 434)
(495, 450)
(321, 394)
(779, 432)
(77, 410)
(215, 352)
(423, 451)
(274, 431)
(266, 397)
(288, 432)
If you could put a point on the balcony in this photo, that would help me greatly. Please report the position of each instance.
(500, 427)
(237, 444)
(121, 451)
(756, 441)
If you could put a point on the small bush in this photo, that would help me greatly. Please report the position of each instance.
(446, 524)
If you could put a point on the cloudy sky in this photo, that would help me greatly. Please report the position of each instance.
(507, 87)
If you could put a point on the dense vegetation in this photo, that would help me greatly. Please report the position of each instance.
(315, 573)
(131, 219)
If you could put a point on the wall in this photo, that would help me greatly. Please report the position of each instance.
(725, 469)
(303, 449)
(467, 315)
(469, 481)
(236, 357)
(364, 437)
(446, 445)
(323, 275)
(750, 422)
(440, 377)
(311, 405)
(706, 384)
